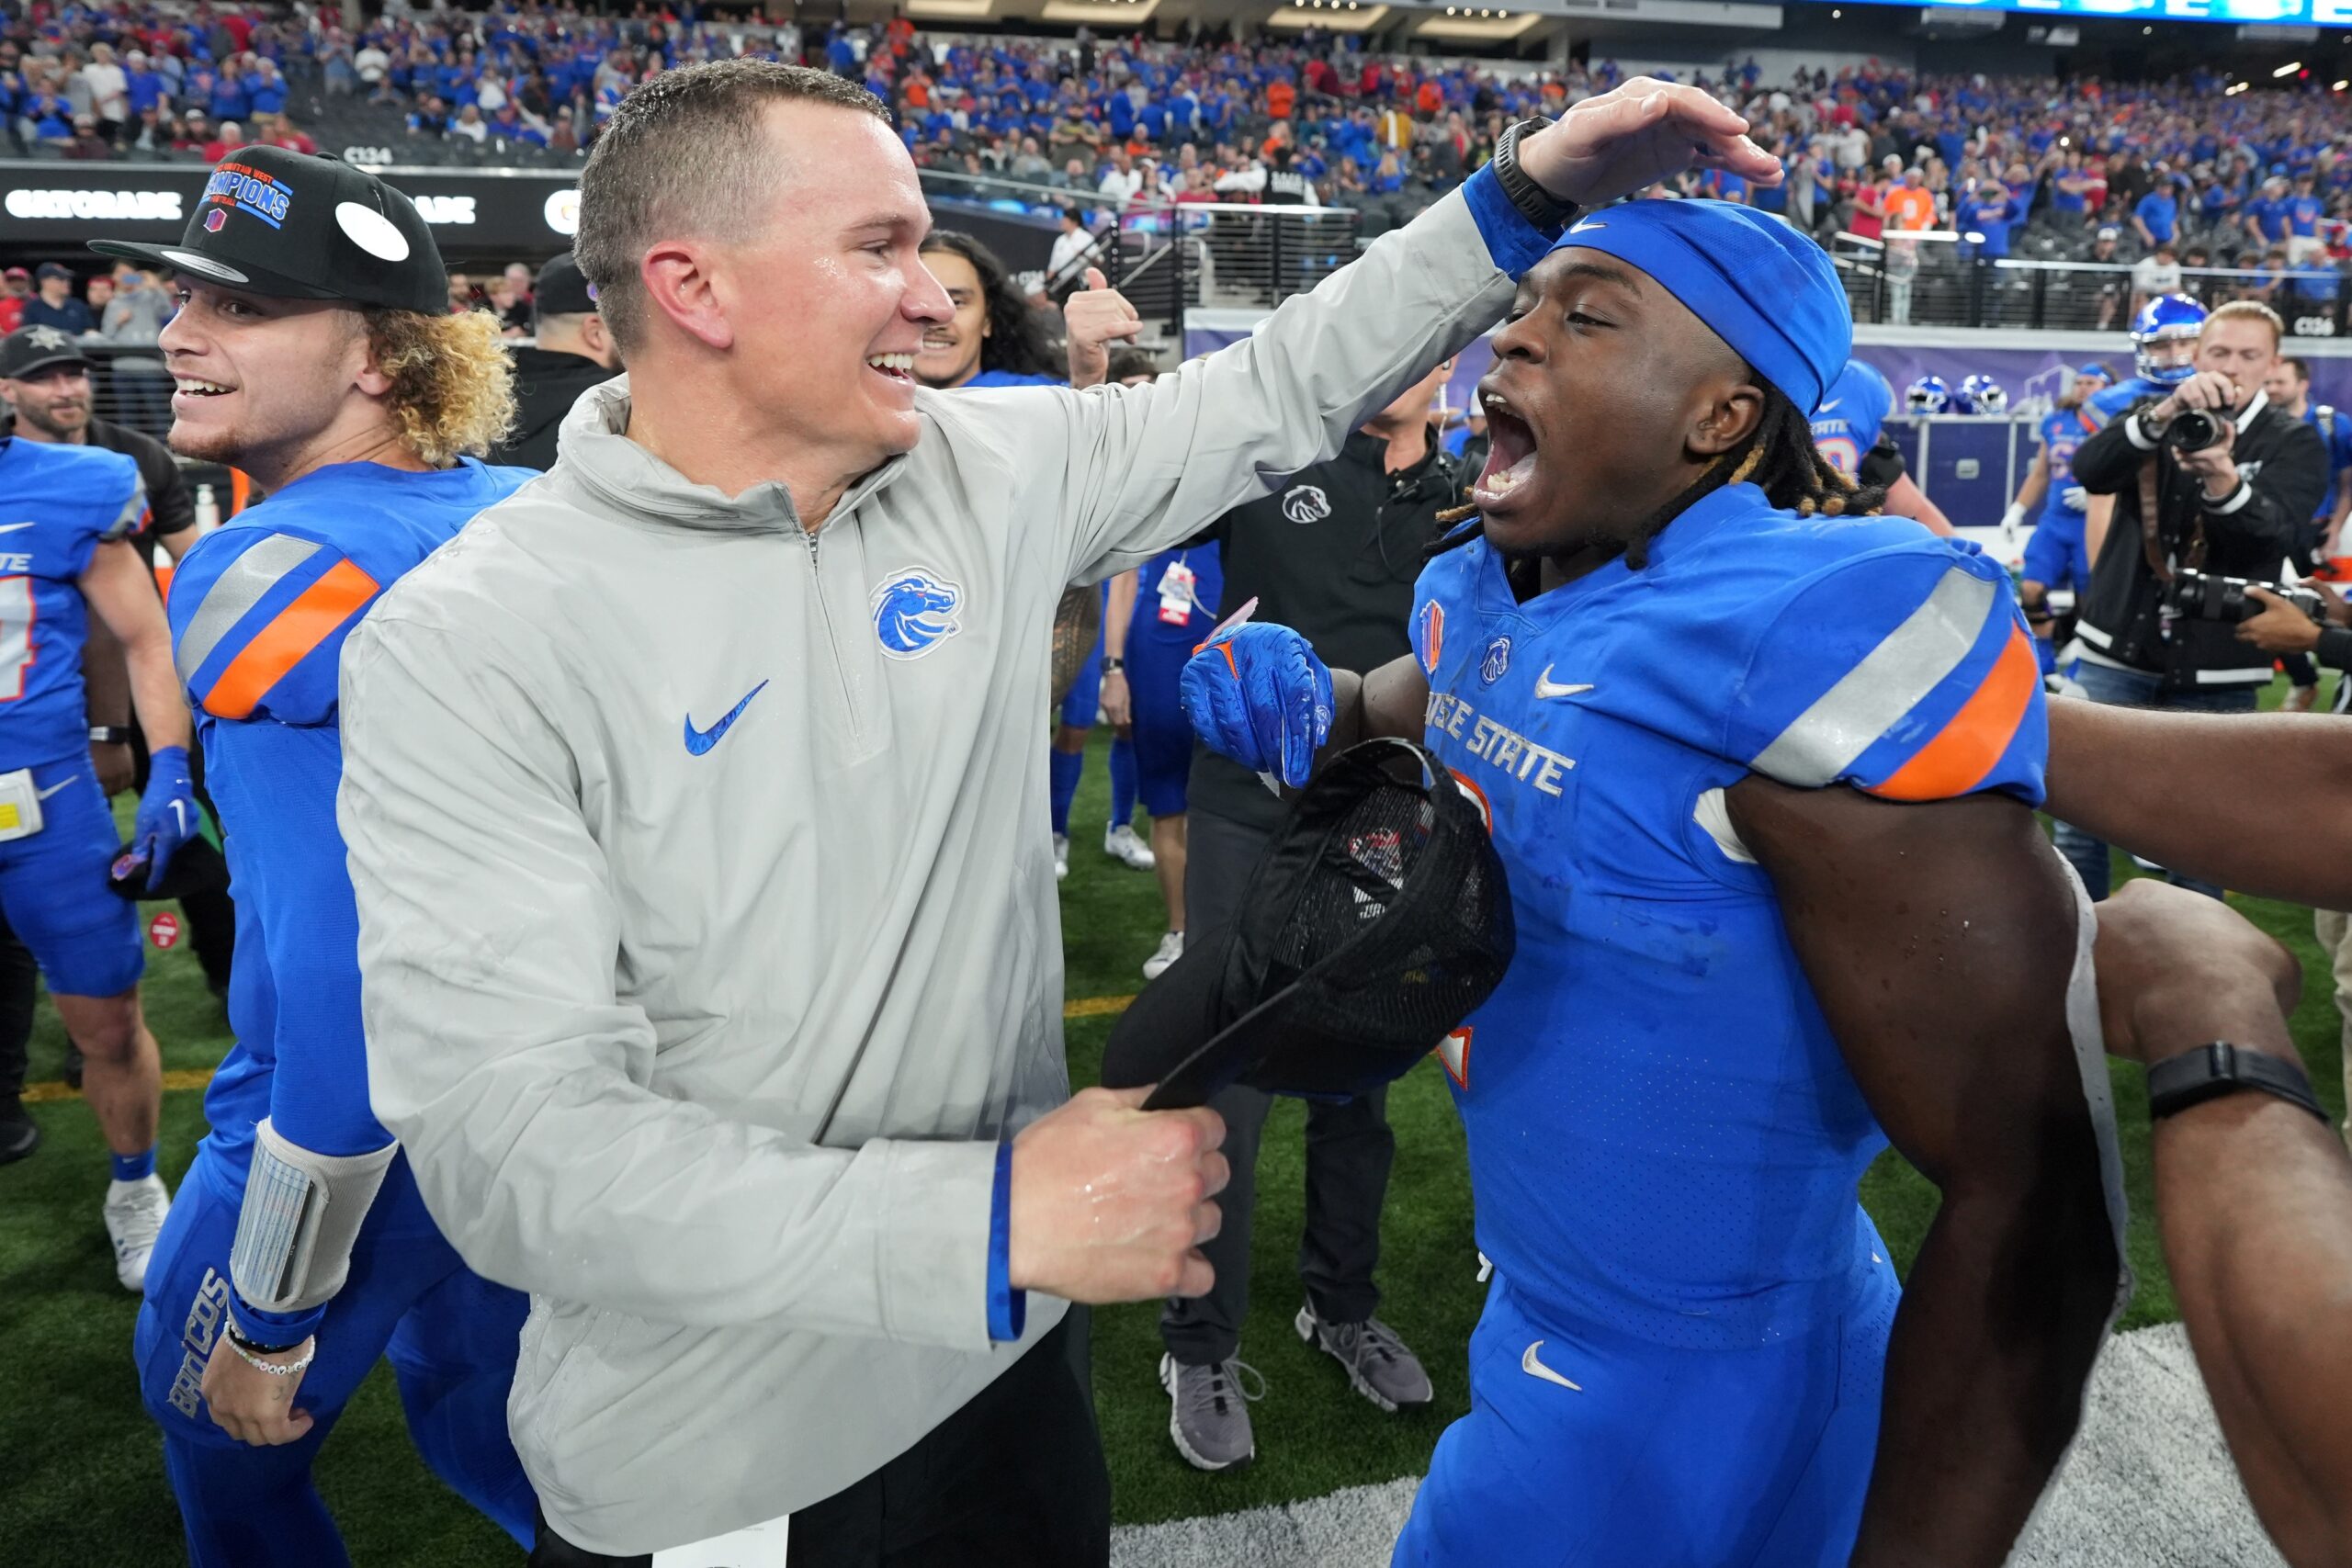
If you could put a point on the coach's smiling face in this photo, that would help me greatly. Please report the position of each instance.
(819, 300)
(1607, 399)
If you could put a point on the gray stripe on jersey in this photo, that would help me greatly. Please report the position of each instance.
(1892, 680)
(133, 512)
(236, 591)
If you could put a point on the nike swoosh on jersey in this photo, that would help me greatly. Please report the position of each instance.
(1533, 1365)
(12, 527)
(45, 793)
(1545, 687)
(701, 740)
(1830, 404)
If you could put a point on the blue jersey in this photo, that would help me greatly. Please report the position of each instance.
(58, 504)
(2334, 427)
(1206, 564)
(1846, 425)
(2062, 431)
(2108, 402)
(1664, 1138)
(259, 610)
(1008, 378)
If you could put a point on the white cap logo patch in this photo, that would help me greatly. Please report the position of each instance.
(562, 211)
(204, 266)
(371, 231)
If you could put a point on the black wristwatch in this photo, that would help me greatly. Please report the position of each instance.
(2212, 1070)
(1114, 666)
(110, 734)
(1535, 204)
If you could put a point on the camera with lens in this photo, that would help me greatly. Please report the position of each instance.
(2192, 430)
(2204, 596)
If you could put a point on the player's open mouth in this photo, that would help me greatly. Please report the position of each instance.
(188, 388)
(1510, 455)
(897, 366)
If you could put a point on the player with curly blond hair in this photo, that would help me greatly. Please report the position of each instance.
(312, 349)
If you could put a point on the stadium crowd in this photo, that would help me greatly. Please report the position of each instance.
(2228, 178)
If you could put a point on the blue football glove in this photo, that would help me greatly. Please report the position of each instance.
(1257, 694)
(167, 812)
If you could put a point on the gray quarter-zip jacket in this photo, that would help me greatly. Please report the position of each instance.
(708, 932)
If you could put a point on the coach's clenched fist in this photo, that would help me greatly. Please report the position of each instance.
(1111, 1202)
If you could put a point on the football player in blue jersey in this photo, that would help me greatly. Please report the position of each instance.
(312, 350)
(2163, 354)
(64, 556)
(1850, 428)
(2056, 556)
(1751, 758)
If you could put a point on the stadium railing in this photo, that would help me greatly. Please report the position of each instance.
(1168, 258)
(1953, 287)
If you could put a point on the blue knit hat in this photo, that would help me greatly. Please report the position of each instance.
(1760, 285)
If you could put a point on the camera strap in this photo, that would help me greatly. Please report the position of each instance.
(2150, 535)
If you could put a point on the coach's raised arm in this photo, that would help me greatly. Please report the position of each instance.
(695, 800)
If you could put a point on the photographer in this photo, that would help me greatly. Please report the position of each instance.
(2208, 479)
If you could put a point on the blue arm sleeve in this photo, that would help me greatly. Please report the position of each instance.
(1007, 1308)
(1515, 243)
(290, 872)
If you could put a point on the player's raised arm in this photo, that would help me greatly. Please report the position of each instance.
(1939, 938)
(1150, 465)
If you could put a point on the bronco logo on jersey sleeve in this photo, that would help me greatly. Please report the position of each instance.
(915, 611)
(1429, 635)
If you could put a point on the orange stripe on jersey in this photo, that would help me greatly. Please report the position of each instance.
(1955, 760)
(281, 644)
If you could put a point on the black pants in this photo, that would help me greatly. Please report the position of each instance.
(212, 916)
(1016, 1476)
(18, 976)
(1349, 1151)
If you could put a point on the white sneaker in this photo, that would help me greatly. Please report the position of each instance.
(1061, 856)
(1171, 948)
(1122, 845)
(135, 1211)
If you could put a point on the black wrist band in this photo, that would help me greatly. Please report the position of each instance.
(1114, 666)
(110, 734)
(254, 1346)
(1535, 204)
(2212, 1070)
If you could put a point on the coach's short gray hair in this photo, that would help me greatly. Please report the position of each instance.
(686, 153)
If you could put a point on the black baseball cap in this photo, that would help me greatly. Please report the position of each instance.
(199, 867)
(28, 349)
(562, 289)
(1378, 919)
(293, 226)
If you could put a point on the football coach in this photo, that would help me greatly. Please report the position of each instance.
(695, 804)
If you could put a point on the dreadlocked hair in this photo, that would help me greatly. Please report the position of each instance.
(1779, 458)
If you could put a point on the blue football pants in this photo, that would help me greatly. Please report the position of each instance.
(1658, 1457)
(449, 1334)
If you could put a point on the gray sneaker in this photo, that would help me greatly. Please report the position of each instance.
(1210, 1413)
(1379, 1366)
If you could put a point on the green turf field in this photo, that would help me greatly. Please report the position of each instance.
(83, 1480)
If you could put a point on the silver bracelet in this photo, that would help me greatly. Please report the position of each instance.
(291, 1369)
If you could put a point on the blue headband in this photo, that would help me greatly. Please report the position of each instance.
(1760, 285)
